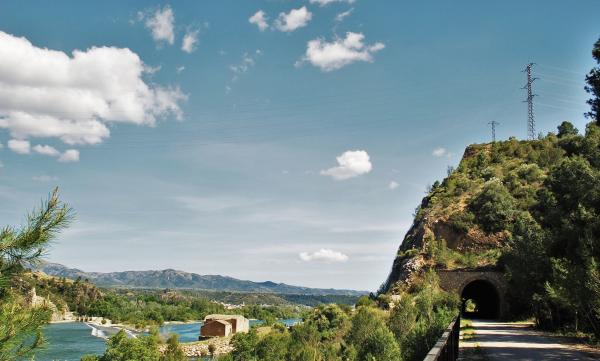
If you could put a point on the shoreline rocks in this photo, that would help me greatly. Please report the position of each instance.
(198, 349)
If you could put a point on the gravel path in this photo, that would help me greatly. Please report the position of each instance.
(509, 341)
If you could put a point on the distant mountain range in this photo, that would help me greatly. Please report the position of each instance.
(170, 278)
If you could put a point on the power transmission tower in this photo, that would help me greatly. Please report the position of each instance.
(529, 100)
(493, 123)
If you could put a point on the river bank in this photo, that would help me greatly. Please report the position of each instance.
(69, 341)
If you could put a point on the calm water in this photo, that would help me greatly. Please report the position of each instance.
(70, 341)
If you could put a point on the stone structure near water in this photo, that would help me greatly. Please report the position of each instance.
(223, 325)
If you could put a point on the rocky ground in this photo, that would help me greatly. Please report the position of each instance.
(200, 348)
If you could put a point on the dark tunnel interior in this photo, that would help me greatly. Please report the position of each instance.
(480, 300)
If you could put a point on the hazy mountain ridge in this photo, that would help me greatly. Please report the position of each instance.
(170, 278)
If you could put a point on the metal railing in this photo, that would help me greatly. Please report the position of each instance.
(446, 347)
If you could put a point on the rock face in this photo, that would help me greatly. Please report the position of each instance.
(57, 314)
(441, 214)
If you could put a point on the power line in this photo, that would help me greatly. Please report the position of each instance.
(529, 100)
(493, 123)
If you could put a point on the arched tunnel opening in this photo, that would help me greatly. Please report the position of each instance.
(480, 300)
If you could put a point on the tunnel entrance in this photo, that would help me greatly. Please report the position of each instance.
(480, 300)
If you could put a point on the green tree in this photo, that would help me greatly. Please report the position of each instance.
(593, 86)
(527, 264)
(173, 352)
(566, 129)
(244, 346)
(121, 348)
(380, 345)
(494, 207)
(305, 343)
(371, 338)
(274, 346)
(330, 320)
(20, 325)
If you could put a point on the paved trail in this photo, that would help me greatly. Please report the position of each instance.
(510, 341)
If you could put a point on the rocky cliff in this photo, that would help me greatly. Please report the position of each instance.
(465, 221)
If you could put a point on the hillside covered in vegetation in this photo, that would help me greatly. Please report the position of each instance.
(528, 208)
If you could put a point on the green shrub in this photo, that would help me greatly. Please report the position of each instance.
(494, 207)
(462, 221)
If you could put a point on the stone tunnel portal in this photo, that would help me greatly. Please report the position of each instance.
(480, 299)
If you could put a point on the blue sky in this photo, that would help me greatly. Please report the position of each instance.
(296, 152)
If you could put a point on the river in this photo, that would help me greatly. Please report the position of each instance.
(70, 341)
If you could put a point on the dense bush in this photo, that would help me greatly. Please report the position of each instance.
(143, 348)
(494, 207)
(331, 332)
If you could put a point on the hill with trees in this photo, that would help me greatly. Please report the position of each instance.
(175, 279)
(528, 208)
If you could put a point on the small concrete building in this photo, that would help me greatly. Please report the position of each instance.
(215, 328)
(224, 325)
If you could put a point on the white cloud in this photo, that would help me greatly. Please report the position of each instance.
(190, 40)
(161, 24)
(334, 55)
(46, 150)
(44, 178)
(70, 155)
(80, 95)
(260, 20)
(441, 152)
(295, 19)
(19, 146)
(324, 255)
(393, 185)
(350, 164)
(327, 2)
(179, 69)
(248, 61)
(341, 16)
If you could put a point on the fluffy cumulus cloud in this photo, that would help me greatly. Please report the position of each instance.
(324, 255)
(161, 24)
(71, 155)
(334, 55)
(19, 146)
(46, 150)
(351, 164)
(393, 185)
(259, 19)
(50, 94)
(295, 19)
(190, 39)
(327, 2)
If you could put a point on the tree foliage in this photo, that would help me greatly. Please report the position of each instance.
(593, 86)
(21, 324)
(143, 348)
